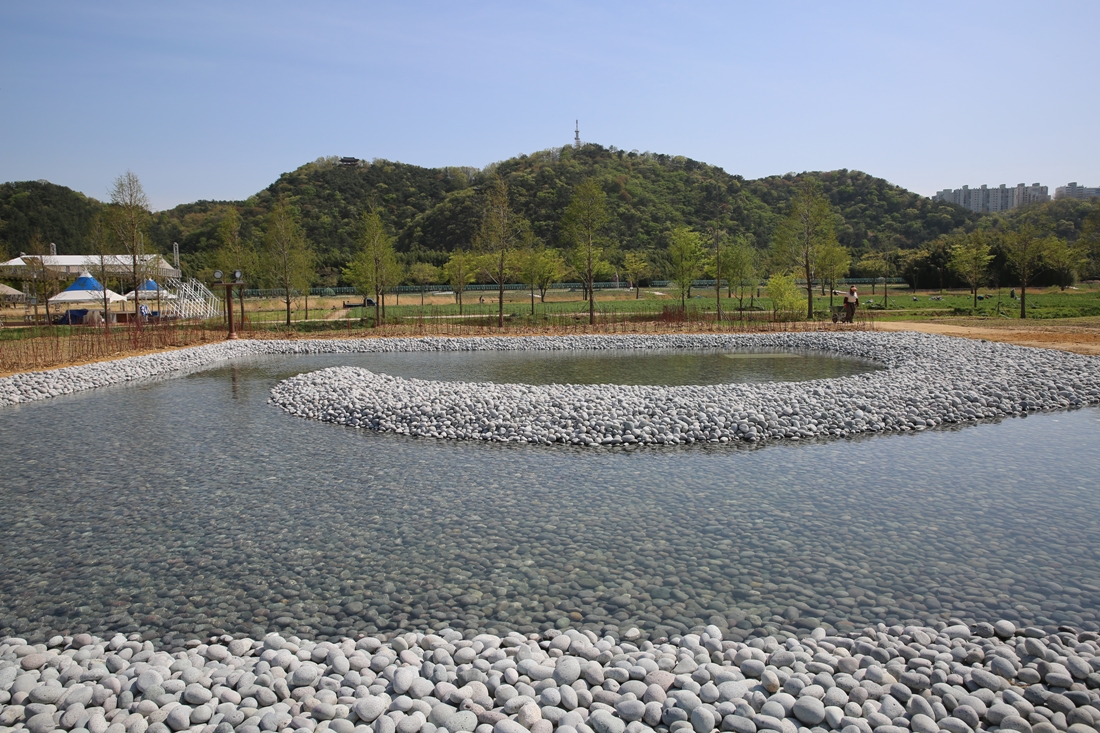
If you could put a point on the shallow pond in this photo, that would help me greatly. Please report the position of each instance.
(616, 366)
(188, 506)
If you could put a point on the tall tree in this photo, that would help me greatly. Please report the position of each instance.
(44, 282)
(423, 274)
(374, 267)
(686, 257)
(129, 220)
(970, 257)
(741, 265)
(803, 234)
(1025, 250)
(636, 267)
(460, 271)
(833, 264)
(288, 257)
(583, 225)
(502, 233)
(718, 262)
(541, 267)
(1090, 235)
(1066, 260)
(235, 252)
(100, 259)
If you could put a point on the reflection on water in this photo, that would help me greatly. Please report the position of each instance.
(617, 366)
(191, 505)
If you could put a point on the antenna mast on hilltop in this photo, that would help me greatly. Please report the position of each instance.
(577, 135)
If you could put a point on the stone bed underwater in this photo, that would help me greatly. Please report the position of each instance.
(175, 510)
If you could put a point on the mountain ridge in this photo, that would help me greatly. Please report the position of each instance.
(431, 211)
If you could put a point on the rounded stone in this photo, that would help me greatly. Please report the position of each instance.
(809, 710)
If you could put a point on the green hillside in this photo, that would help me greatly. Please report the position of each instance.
(431, 211)
(53, 213)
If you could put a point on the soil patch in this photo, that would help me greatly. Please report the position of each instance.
(1079, 335)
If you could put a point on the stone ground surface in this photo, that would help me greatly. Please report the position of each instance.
(949, 678)
(1078, 335)
(927, 381)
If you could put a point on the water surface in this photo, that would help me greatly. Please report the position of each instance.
(617, 366)
(192, 506)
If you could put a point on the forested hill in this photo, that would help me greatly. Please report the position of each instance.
(52, 213)
(431, 211)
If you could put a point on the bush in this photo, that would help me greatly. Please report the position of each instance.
(786, 298)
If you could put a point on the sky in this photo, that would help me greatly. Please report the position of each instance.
(214, 100)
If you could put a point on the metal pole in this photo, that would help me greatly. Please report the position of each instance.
(229, 305)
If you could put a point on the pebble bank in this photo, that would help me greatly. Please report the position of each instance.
(928, 381)
(881, 679)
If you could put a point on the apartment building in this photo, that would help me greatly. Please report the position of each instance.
(1073, 191)
(986, 200)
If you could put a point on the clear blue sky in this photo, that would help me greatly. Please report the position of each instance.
(213, 100)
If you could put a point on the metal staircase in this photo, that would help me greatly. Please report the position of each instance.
(193, 299)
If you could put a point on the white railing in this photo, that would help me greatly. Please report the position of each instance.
(193, 299)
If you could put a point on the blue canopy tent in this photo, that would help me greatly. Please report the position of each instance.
(150, 290)
(86, 289)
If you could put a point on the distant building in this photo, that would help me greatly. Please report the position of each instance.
(985, 200)
(65, 267)
(1073, 191)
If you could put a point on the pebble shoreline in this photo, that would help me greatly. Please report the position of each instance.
(928, 381)
(951, 678)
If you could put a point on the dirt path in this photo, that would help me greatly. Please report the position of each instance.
(1079, 335)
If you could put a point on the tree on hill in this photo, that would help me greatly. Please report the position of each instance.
(236, 253)
(636, 267)
(583, 226)
(540, 267)
(100, 254)
(833, 263)
(686, 256)
(1025, 249)
(803, 235)
(287, 256)
(375, 267)
(460, 271)
(423, 274)
(129, 217)
(970, 257)
(741, 269)
(502, 233)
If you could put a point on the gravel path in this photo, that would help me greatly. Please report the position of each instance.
(879, 680)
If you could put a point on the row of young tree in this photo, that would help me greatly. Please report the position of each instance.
(505, 249)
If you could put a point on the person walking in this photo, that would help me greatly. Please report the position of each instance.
(851, 300)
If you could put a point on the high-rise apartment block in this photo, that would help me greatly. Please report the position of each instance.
(987, 200)
(1073, 191)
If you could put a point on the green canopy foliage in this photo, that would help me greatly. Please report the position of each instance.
(431, 212)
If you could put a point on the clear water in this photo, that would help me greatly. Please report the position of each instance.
(626, 366)
(191, 506)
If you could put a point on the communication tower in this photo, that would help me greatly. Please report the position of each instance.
(577, 135)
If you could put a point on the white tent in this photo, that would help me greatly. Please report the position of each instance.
(86, 289)
(10, 294)
(150, 291)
